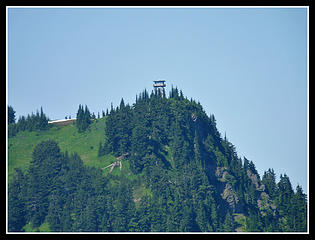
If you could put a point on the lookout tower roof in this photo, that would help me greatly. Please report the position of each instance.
(159, 81)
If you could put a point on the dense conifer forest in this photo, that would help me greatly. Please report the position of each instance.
(184, 177)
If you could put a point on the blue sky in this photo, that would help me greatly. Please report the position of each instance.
(248, 67)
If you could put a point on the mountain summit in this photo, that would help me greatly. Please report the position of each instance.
(170, 171)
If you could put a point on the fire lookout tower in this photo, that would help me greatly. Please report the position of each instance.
(160, 84)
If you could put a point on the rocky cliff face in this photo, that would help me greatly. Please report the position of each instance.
(263, 200)
(220, 173)
(265, 203)
(229, 194)
(226, 190)
(255, 180)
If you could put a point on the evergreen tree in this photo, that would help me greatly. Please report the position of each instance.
(284, 201)
(285, 194)
(90, 217)
(188, 223)
(17, 202)
(55, 210)
(87, 116)
(144, 217)
(33, 122)
(229, 225)
(253, 221)
(269, 180)
(122, 104)
(299, 210)
(11, 115)
(83, 118)
(252, 168)
(12, 130)
(44, 168)
(43, 120)
(180, 169)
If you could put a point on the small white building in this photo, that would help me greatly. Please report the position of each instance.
(62, 122)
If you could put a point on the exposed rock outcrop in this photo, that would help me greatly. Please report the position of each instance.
(263, 200)
(255, 180)
(227, 191)
(229, 194)
(220, 173)
(265, 203)
(231, 197)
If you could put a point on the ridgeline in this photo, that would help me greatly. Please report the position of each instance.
(159, 165)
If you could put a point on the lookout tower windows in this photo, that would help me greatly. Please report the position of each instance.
(159, 84)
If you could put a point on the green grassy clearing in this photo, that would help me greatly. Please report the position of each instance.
(20, 147)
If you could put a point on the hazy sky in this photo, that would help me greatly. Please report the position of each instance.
(248, 67)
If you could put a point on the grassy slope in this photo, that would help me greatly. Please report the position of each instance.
(85, 144)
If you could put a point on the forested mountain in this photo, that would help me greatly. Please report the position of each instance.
(173, 172)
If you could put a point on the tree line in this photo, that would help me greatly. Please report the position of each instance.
(173, 138)
(33, 122)
(174, 151)
(39, 121)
